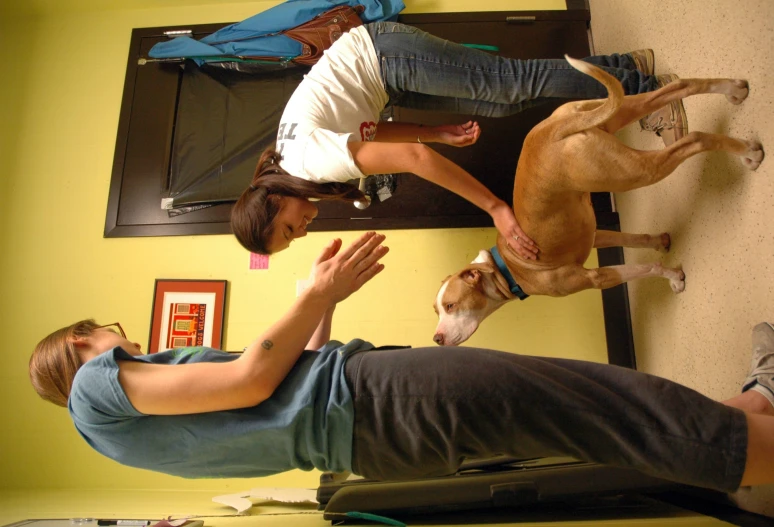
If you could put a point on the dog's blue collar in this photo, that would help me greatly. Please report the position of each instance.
(515, 289)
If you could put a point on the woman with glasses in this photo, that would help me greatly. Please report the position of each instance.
(396, 413)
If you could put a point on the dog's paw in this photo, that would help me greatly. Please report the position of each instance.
(677, 282)
(738, 91)
(752, 159)
(665, 242)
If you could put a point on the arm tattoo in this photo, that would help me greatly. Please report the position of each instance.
(267, 344)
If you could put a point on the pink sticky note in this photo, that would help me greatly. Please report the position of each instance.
(259, 261)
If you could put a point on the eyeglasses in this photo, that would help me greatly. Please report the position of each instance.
(115, 327)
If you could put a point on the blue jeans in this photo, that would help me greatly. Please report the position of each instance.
(422, 71)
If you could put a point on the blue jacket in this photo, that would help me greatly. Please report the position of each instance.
(247, 38)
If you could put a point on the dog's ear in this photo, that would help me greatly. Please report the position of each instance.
(472, 273)
(471, 276)
(484, 267)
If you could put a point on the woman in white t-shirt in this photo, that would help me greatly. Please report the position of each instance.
(330, 132)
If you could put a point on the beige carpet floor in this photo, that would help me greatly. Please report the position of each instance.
(719, 214)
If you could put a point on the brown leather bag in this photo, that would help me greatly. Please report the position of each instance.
(319, 33)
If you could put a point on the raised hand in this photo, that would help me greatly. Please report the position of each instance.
(459, 135)
(337, 274)
(509, 228)
(327, 253)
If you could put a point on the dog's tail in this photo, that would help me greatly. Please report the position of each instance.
(588, 119)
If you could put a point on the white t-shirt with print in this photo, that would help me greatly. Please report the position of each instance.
(339, 100)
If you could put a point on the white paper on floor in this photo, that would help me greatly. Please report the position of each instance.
(241, 501)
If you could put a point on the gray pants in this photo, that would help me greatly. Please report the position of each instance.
(423, 411)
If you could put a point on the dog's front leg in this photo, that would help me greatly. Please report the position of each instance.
(611, 276)
(658, 242)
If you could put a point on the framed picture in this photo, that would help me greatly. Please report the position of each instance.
(187, 313)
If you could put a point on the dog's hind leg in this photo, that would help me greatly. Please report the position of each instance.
(611, 276)
(618, 168)
(634, 107)
(664, 162)
(658, 242)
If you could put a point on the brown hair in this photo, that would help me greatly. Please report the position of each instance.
(55, 361)
(253, 214)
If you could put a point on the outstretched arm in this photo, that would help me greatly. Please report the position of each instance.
(389, 158)
(159, 389)
(460, 135)
(323, 332)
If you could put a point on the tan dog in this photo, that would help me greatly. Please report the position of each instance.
(563, 160)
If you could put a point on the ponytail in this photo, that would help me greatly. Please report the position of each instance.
(253, 214)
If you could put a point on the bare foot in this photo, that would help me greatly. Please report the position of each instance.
(752, 402)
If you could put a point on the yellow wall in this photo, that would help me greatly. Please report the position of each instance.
(60, 94)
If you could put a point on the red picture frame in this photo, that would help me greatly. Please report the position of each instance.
(187, 313)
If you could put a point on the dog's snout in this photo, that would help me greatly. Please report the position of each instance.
(438, 339)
